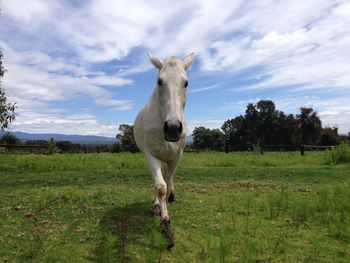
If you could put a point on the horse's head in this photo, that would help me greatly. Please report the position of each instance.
(171, 90)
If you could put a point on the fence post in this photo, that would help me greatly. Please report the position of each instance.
(302, 149)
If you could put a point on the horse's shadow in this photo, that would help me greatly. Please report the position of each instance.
(120, 227)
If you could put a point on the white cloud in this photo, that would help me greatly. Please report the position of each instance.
(208, 123)
(313, 55)
(34, 81)
(275, 34)
(83, 124)
(28, 12)
(211, 87)
(36, 77)
(240, 33)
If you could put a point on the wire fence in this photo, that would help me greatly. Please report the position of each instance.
(23, 148)
(43, 149)
(269, 148)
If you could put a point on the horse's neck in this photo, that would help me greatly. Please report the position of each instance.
(153, 103)
(153, 110)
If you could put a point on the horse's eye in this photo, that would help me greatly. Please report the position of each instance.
(160, 82)
(186, 83)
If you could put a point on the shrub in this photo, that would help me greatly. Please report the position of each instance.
(52, 147)
(9, 139)
(338, 155)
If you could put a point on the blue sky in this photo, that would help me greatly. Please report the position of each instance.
(80, 67)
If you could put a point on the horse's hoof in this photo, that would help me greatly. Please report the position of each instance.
(166, 231)
(171, 198)
(155, 211)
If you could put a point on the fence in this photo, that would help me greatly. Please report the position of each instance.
(25, 148)
(304, 148)
(266, 148)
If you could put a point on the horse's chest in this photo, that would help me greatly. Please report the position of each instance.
(164, 150)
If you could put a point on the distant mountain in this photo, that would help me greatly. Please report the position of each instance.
(82, 139)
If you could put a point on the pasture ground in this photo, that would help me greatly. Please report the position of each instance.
(238, 207)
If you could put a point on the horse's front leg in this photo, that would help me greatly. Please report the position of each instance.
(155, 165)
(160, 186)
(156, 206)
(171, 167)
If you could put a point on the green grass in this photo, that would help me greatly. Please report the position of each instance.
(339, 154)
(239, 207)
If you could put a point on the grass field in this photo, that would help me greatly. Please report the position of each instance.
(239, 207)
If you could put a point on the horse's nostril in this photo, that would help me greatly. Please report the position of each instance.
(166, 127)
(179, 129)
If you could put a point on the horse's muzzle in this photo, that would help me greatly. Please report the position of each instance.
(172, 131)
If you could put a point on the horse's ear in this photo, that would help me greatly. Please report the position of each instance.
(155, 61)
(188, 61)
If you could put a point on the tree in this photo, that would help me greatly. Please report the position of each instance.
(9, 139)
(217, 140)
(310, 126)
(235, 133)
(2, 69)
(251, 125)
(267, 122)
(115, 148)
(7, 110)
(261, 125)
(52, 147)
(204, 138)
(287, 130)
(201, 138)
(329, 136)
(68, 147)
(126, 138)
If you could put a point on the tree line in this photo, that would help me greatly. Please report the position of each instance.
(51, 146)
(263, 125)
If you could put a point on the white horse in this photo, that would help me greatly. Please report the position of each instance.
(160, 131)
